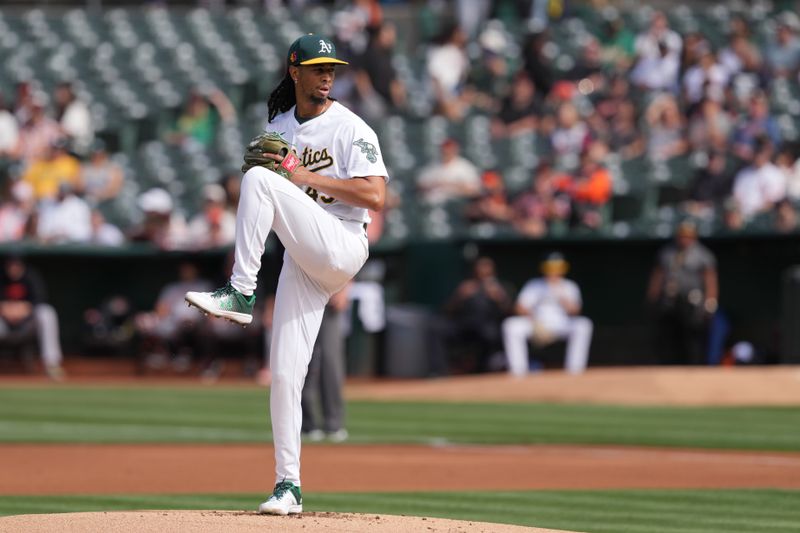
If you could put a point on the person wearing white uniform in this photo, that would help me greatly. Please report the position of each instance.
(548, 309)
(320, 215)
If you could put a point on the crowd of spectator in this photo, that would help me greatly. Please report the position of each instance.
(653, 95)
(632, 92)
(58, 178)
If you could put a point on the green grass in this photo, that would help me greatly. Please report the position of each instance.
(644, 511)
(220, 415)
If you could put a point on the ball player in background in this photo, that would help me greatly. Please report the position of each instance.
(320, 216)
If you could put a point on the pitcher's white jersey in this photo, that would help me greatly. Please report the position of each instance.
(337, 144)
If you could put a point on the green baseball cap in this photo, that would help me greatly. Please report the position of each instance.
(313, 50)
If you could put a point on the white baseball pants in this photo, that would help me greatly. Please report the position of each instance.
(322, 254)
(518, 329)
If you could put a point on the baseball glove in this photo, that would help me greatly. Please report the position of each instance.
(270, 143)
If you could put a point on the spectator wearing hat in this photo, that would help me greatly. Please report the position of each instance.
(683, 292)
(160, 225)
(548, 309)
(452, 177)
(214, 226)
(102, 178)
(56, 168)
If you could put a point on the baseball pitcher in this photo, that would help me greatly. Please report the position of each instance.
(311, 177)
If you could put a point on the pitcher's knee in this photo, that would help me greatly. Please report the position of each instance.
(258, 179)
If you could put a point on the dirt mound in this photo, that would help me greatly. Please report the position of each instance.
(243, 522)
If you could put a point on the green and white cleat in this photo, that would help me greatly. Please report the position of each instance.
(225, 302)
(286, 499)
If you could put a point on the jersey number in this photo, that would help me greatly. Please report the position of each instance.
(317, 196)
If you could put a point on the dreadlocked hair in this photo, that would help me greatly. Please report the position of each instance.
(282, 98)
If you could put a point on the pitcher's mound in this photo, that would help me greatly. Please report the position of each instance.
(242, 522)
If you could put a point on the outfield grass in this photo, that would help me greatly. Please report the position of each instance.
(219, 415)
(643, 511)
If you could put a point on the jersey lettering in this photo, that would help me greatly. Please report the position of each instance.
(319, 197)
(316, 160)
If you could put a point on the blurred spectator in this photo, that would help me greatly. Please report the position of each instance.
(161, 225)
(710, 186)
(732, 219)
(471, 14)
(788, 162)
(760, 185)
(322, 399)
(198, 121)
(624, 135)
(740, 56)
(172, 328)
(16, 209)
(214, 226)
(618, 42)
(658, 35)
(659, 72)
(38, 134)
(103, 233)
(9, 132)
(786, 220)
(543, 203)
(783, 53)
(54, 169)
(570, 137)
(232, 183)
(589, 188)
(588, 71)
(67, 218)
(448, 68)
(547, 310)
(520, 110)
(492, 205)
(706, 79)
(476, 310)
(666, 133)
(24, 309)
(490, 74)
(25, 99)
(757, 123)
(683, 291)
(74, 117)
(102, 178)
(709, 126)
(109, 327)
(376, 81)
(451, 178)
(351, 23)
(536, 64)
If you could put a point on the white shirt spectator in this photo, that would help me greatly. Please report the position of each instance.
(448, 66)
(755, 189)
(66, 221)
(657, 73)
(77, 124)
(695, 79)
(9, 132)
(442, 181)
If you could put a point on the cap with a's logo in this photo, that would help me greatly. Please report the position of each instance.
(313, 50)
